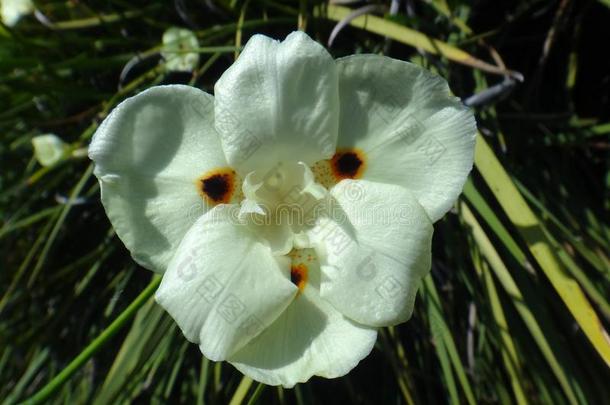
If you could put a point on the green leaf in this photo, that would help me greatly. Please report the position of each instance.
(138, 347)
(508, 283)
(410, 37)
(440, 329)
(45, 393)
(532, 232)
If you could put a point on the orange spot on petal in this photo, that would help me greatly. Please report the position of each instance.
(348, 164)
(217, 186)
(298, 276)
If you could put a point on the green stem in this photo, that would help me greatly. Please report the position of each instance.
(98, 20)
(99, 342)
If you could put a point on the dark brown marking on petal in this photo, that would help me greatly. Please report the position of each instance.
(298, 276)
(348, 164)
(217, 186)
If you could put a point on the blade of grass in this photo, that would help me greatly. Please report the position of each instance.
(28, 376)
(476, 199)
(508, 349)
(100, 20)
(241, 391)
(513, 291)
(203, 380)
(410, 37)
(28, 221)
(60, 221)
(531, 231)
(437, 330)
(546, 214)
(175, 369)
(399, 365)
(256, 394)
(136, 349)
(52, 386)
(42, 236)
(448, 342)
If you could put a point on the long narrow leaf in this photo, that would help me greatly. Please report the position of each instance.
(531, 231)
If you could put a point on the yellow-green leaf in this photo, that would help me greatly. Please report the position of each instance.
(410, 37)
(532, 232)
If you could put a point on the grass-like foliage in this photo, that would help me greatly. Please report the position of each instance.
(517, 305)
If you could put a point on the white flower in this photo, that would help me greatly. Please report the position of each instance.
(11, 11)
(290, 214)
(49, 149)
(180, 50)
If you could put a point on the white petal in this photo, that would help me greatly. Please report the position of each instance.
(224, 287)
(278, 102)
(412, 131)
(309, 338)
(375, 247)
(149, 153)
(177, 42)
(49, 149)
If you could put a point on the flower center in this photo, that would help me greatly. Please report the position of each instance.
(283, 201)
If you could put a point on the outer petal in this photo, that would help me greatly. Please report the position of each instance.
(224, 287)
(413, 132)
(309, 338)
(375, 247)
(278, 101)
(149, 153)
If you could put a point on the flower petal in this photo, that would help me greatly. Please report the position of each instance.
(375, 247)
(223, 287)
(309, 338)
(278, 101)
(412, 131)
(149, 153)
